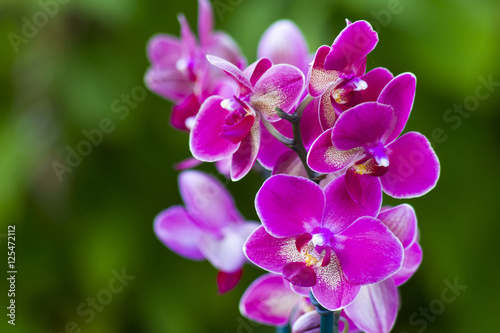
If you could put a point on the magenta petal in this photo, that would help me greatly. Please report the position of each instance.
(299, 274)
(178, 232)
(269, 300)
(281, 86)
(400, 94)
(168, 83)
(365, 125)
(164, 51)
(223, 46)
(205, 142)
(376, 79)
(187, 36)
(205, 22)
(255, 71)
(323, 157)
(327, 113)
(237, 125)
(309, 322)
(375, 308)
(226, 252)
(227, 281)
(207, 200)
(351, 45)
(368, 251)
(271, 253)
(186, 109)
(244, 158)
(414, 167)
(332, 290)
(234, 72)
(270, 148)
(187, 163)
(341, 210)
(411, 262)
(283, 43)
(289, 206)
(320, 79)
(310, 126)
(402, 221)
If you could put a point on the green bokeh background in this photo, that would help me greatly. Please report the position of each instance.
(71, 235)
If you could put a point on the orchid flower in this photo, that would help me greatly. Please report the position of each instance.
(230, 128)
(208, 227)
(321, 239)
(365, 143)
(180, 72)
(337, 76)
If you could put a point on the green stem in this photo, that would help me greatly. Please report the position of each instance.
(283, 329)
(329, 319)
(297, 145)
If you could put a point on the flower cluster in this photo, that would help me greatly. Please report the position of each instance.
(330, 134)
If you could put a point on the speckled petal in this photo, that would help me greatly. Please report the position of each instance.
(289, 205)
(402, 221)
(368, 251)
(271, 253)
(351, 45)
(400, 94)
(205, 142)
(375, 308)
(320, 79)
(175, 228)
(341, 210)
(269, 300)
(332, 290)
(365, 125)
(414, 167)
(323, 157)
(281, 86)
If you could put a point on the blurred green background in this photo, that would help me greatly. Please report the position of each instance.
(71, 235)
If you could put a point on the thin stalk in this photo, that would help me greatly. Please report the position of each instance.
(283, 329)
(296, 144)
(329, 319)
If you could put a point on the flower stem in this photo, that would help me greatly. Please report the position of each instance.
(283, 329)
(329, 319)
(297, 145)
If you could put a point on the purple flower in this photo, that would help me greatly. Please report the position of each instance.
(338, 76)
(179, 70)
(208, 227)
(365, 143)
(375, 308)
(230, 128)
(322, 239)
